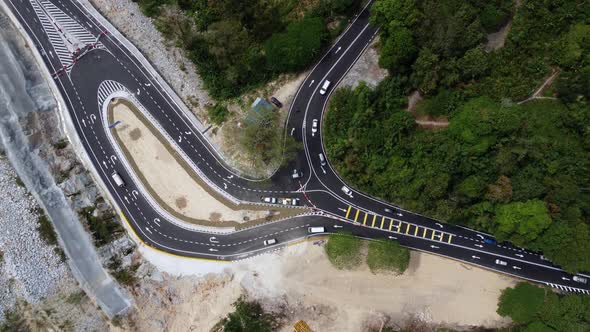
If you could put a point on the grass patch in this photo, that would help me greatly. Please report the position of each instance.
(127, 276)
(61, 144)
(19, 182)
(45, 228)
(386, 255)
(105, 229)
(76, 298)
(344, 251)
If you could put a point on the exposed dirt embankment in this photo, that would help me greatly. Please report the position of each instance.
(300, 283)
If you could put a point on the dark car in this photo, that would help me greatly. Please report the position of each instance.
(276, 102)
(489, 241)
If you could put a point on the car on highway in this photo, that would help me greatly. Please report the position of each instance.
(270, 242)
(297, 174)
(316, 229)
(322, 159)
(271, 200)
(489, 241)
(388, 210)
(501, 262)
(579, 279)
(346, 191)
(325, 87)
(290, 201)
(118, 180)
(314, 127)
(276, 102)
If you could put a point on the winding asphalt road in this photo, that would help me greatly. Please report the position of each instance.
(87, 77)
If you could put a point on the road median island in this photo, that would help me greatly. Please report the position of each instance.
(171, 182)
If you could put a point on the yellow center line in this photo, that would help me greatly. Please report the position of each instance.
(424, 235)
(407, 228)
(356, 216)
(382, 222)
(374, 218)
(432, 237)
(390, 224)
(450, 237)
(416, 231)
(348, 212)
(365, 218)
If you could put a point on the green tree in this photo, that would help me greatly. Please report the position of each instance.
(403, 12)
(218, 114)
(295, 48)
(248, 316)
(397, 49)
(426, 71)
(521, 303)
(521, 222)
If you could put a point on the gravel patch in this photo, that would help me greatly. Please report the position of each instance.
(366, 69)
(30, 269)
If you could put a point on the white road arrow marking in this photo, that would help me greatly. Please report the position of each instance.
(138, 92)
(310, 84)
(475, 257)
(156, 220)
(479, 245)
(105, 164)
(224, 185)
(113, 158)
(230, 177)
(338, 226)
(338, 49)
(519, 255)
(439, 225)
(92, 118)
(213, 249)
(564, 278)
(179, 139)
(516, 268)
(292, 131)
(434, 247)
(83, 122)
(392, 237)
(147, 229)
(213, 239)
(187, 133)
(480, 236)
(148, 84)
(323, 170)
(341, 209)
(135, 194)
(126, 199)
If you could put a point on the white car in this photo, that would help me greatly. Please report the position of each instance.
(501, 262)
(580, 279)
(325, 87)
(347, 191)
(314, 127)
(271, 200)
(269, 242)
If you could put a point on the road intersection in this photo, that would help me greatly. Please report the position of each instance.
(91, 65)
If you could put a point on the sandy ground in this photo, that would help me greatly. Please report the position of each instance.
(302, 283)
(175, 186)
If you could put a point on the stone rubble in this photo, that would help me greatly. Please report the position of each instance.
(29, 269)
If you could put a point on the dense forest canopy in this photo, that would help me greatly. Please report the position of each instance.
(238, 45)
(520, 171)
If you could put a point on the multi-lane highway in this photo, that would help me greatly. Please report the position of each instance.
(92, 64)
